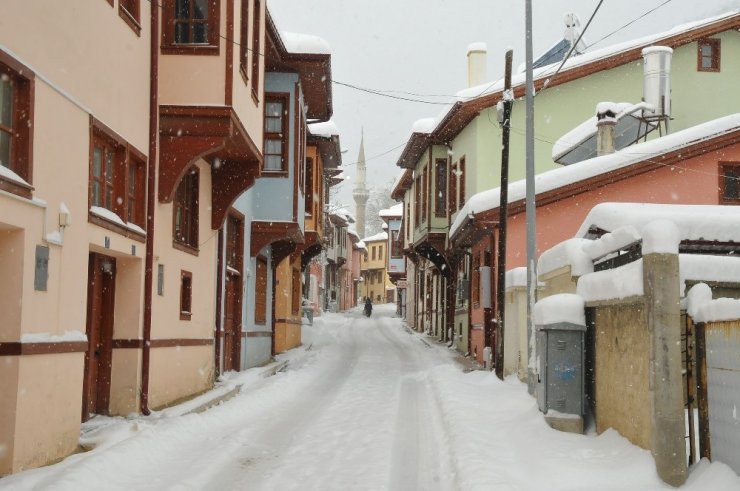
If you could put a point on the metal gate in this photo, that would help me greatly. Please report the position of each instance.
(719, 388)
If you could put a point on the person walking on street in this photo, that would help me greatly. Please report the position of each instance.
(368, 306)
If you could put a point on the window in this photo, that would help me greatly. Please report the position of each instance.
(372, 249)
(256, 49)
(276, 132)
(117, 177)
(234, 243)
(185, 210)
(440, 188)
(186, 295)
(475, 285)
(729, 183)
(708, 55)
(16, 123)
(129, 12)
(260, 291)
(244, 41)
(424, 195)
(396, 244)
(417, 201)
(461, 174)
(190, 26)
(380, 252)
(309, 186)
(453, 188)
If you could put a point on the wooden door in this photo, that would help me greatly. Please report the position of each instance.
(100, 307)
(232, 322)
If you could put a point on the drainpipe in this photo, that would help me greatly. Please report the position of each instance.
(150, 203)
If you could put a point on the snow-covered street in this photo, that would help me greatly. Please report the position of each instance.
(365, 404)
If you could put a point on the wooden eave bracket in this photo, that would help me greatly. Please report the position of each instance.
(265, 233)
(189, 133)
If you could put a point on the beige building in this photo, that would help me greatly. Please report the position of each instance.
(373, 269)
(126, 133)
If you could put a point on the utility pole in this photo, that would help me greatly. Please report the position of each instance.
(503, 213)
(531, 210)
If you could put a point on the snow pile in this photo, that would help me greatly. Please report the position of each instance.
(327, 129)
(45, 337)
(613, 284)
(568, 253)
(696, 297)
(376, 237)
(611, 242)
(516, 277)
(564, 307)
(424, 125)
(720, 269)
(660, 237)
(12, 176)
(721, 309)
(305, 43)
(393, 211)
(479, 46)
(694, 222)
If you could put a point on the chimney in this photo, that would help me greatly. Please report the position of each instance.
(477, 64)
(606, 120)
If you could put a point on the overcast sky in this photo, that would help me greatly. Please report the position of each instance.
(419, 47)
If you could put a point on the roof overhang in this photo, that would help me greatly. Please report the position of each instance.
(314, 70)
(265, 233)
(403, 185)
(329, 149)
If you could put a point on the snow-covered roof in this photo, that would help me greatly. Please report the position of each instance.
(376, 237)
(612, 284)
(393, 211)
(563, 307)
(361, 245)
(558, 178)
(326, 129)
(304, 43)
(544, 72)
(694, 222)
(424, 125)
(516, 277)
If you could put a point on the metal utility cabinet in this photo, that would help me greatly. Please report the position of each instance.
(560, 388)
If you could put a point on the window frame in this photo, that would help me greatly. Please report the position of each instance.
(461, 184)
(131, 14)
(171, 47)
(309, 188)
(724, 165)
(129, 205)
(186, 295)
(284, 137)
(187, 190)
(716, 46)
(260, 300)
(256, 47)
(244, 41)
(22, 119)
(440, 187)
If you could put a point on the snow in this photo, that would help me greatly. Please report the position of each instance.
(613, 284)
(718, 269)
(424, 125)
(9, 174)
(563, 307)
(696, 297)
(721, 309)
(376, 237)
(393, 211)
(660, 237)
(611, 242)
(694, 222)
(582, 132)
(364, 404)
(656, 49)
(558, 178)
(613, 107)
(305, 43)
(45, 337)
(516, 277)
(571, 253)
(479, 46)
(327, 129)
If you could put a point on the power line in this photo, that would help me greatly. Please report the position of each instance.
(630, 22)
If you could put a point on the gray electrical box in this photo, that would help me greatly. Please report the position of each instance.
(41, 272)
(561, 382)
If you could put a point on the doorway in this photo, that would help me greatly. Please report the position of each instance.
(232, 329)
(100, 307)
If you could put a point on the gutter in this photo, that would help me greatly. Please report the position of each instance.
(150, 204)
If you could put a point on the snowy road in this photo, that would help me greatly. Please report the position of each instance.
(370, 406)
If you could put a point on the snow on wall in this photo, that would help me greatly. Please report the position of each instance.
(393, 211)
(568, 253)
(611, 242)
(613, 284)
(564, 307)
(516, 277)
(561, 177)
(45, 337)
(660, 237)
(721, 309)
(692, 220)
